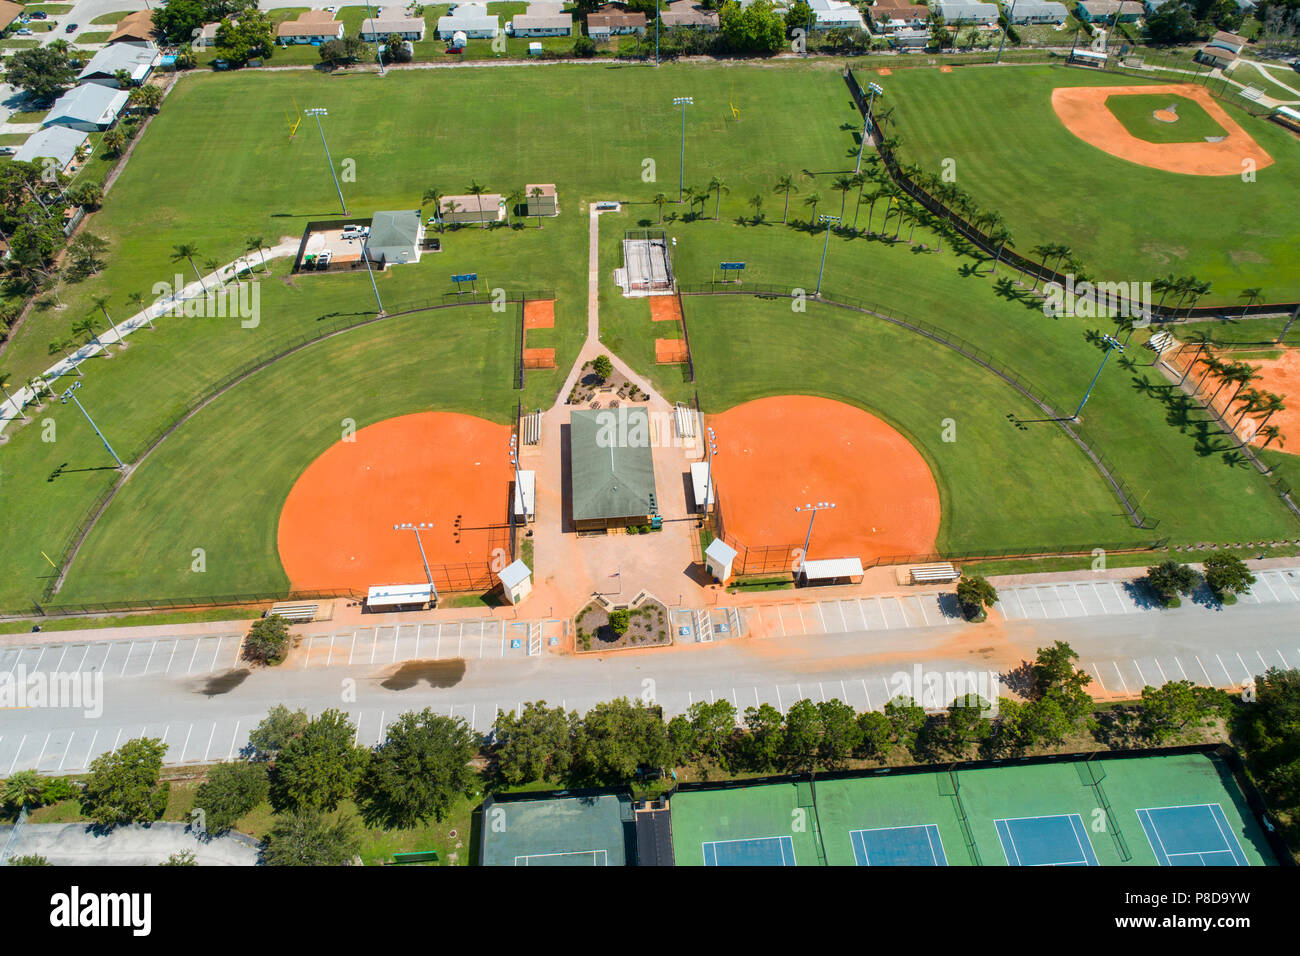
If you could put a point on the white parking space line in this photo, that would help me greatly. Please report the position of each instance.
(1249, 675)
(1204, 671)
(1099, 680)
(1121, 678)
(1226, 673)
(1181, 668)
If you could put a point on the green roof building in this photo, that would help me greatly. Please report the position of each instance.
(611, 468)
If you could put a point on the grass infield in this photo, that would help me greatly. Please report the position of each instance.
(1137, 113)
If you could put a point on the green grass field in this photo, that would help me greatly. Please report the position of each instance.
(218, 482)
(1136, 113)
(1122, 220)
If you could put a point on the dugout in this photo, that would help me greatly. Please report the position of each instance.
(831, 571)
(399, 597)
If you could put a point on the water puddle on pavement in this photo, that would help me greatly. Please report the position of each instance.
(437, 674)
(223, 683)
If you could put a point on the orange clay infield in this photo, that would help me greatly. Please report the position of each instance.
(539, 358)
(663, 308)
(1282, 377)
(1083, 111)
(336, 527)
(778, 453)
(670, 351)
(539, 314)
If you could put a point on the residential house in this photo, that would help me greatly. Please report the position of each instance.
(136, 60)
(55, 142)
(134, 28)
(909, 39)
(1222, 50)
(395, 237)
(9, 12)
(612, 20)
(962, 11)
(1103, 11)
(312, 26)
(1035, 11)
(471, 19)
(87, 107)
(207, 37)
(543, 20)
(689, 14)
(892, 17)
(836, 15)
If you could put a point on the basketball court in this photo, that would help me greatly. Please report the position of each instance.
(450, 470)
(776, 454)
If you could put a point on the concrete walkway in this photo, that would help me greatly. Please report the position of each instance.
(80, 844)
(118, 331)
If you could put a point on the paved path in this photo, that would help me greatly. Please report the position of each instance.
(77, 844)
(118, 331)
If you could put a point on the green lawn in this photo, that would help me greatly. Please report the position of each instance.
(109, 18)
(219, 481)
(1136, 111)
(1122, 220)
(97, 37)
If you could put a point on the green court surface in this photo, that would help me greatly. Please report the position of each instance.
(1164, 809)
(1136, 112)
(594, 830)
(752, 818)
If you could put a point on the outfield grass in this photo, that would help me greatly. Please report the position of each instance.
(1122, 220)
(1135, 113)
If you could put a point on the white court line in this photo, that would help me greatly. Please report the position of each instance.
(172, 656)
(39, 657)
(66, 749)
(329, 656)
(41, 755)
(396, 636)
(1261, 660)
(1264, 581)
(149, 660)
(84, 655)
(821, 690)
(1163, 678)
(90, 751)
(212, 734)
(192, 656)
(1284, 663)
(779, 706)
(418, 629)
(922, 609)
(1119, 596)
(374, 644)
(1016, 594)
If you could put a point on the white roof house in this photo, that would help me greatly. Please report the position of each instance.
(389, 21)
(471, 19)
(543, 20)
(836, 15)
(959, 11)
(87, 107)
(137, 59)
(55, 142)
(1035, 11)
(395, 237)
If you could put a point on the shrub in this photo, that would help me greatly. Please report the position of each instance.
(1170, 578)
(619, 621)
(268, 640)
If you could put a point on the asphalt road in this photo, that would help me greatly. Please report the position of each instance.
(203, 703)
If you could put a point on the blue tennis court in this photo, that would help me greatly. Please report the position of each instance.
(1192, 836)
(1046, 841)
(898, 846)
(763, 851)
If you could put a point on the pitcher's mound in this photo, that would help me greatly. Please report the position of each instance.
(1166, 116)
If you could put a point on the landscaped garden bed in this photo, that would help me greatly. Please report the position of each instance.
(643, 625)
(609, 390)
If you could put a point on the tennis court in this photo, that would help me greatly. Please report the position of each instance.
(760, 851)
(585, 829)
(899, 846)
(1060, 840)
(1192, 836)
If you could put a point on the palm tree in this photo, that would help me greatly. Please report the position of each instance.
(717, 187)
(1062, 253)
(1213, 366)
(1270, 405)
(101, 302)
(1287, 328)
(812, 201)
(4, 387)
(450, 207)
(1202, 338)
(38, 387)
(188, 251)
(904, 214)
(842, 185)
(1198, 289)
(700, 196)
(536, 195)
(1041, 252)
(1251, 296)
(514, 199)
(870, 199)
(1229, 372)
(1245, 375)
(61, 345)
(785, 184)
(1164, 286)
(23, 789)
(757, 202)
(1000, 237)
(435, 195)
(86, 327)
(137, 302)
(477, 189)
(659, 201)
(256, 243)
(213, 266)
(1251, 401)
(689, 196)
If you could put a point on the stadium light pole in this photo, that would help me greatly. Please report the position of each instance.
(683, 102)
(413, 526)
(1112, 344)
(519, 490)
(69, 395)
(318, 112)
(819, 506)
(709, 496)
(656, 32)
(365, 256)
(829, 220)
(1010, 19)
(378, 52)
(868, 122)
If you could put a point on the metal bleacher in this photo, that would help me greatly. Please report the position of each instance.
(934, 573)
(295, 613)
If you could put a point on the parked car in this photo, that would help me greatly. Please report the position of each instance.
(39, 15)
(7, 150)
(22, 32)
(70, 28)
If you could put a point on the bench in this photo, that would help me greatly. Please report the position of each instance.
(294, 613)
(932, 573)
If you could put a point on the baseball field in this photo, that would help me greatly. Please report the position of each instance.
(219, 480)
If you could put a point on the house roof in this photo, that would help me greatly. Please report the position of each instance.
(1108, 7)
(720, 551)
(687, 13)
(314, 27)
(136, 60)
(611, 465)
(394, 23)
(961, 8)
(548, 189)
(133, 26)
(514, 574)
(901, 11)
(89, 103)
(1027, 8)
(399, 228)
(9, 12)
(57, 142)
(832, 568)
(471, 203)
(615, 19)
(541, 21)
(1229, 40)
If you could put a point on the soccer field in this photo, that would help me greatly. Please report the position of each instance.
(1123, 221)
